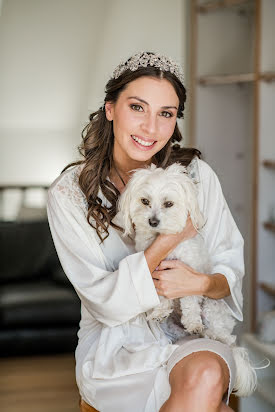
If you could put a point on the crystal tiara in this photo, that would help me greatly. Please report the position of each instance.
(144, 59)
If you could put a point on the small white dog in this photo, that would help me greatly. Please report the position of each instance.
(156, 201)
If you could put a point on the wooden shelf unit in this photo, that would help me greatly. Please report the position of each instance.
(234, 129)
(268, 287)
(235, 78)
(270, 164)
(220, 4)
(227, 79)
(268, 77)
(269, 226)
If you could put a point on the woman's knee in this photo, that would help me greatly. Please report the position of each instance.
(201, 370)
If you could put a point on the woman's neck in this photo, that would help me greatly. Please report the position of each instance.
(121, 173)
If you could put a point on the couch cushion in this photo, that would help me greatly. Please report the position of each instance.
(34, 341)
(25, 248)
(38, 303)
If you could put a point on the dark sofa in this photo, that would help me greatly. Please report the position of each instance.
(39, 309)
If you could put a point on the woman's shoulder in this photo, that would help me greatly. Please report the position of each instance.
(66, 186)
(205, 178)
(198, 169)
(201, 170)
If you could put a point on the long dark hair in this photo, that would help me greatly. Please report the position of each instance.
(97, 150)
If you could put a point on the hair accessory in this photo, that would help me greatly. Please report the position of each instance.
(144, 59)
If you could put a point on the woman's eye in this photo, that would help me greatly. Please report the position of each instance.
(167, 114)
(168, 204)
(139, 108)
(145, 201)
(136, 107)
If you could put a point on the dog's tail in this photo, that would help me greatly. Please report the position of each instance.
(246, 378)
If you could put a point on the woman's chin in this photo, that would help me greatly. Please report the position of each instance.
(141, 156)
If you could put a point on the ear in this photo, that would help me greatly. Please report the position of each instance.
(197, 217)
(138, 178)
(109, 110)
(123, 207)
(189, 187)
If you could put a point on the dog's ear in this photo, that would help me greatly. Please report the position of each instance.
(190, 190)
(196, 216)
(123, 207)
(128, 195)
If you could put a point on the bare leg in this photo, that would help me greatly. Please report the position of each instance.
(198, 383)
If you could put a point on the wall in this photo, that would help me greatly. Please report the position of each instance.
(56, 58)
(45, 50)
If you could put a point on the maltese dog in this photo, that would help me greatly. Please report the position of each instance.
(158, 201)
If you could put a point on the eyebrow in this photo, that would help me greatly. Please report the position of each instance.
(143, 101)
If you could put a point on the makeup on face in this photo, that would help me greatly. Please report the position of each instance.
(144, 119)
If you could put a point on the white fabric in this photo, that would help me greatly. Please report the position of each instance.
(121, 358)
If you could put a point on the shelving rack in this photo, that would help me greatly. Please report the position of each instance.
(233, 123)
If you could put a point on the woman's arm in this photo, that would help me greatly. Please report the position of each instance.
(216, 286)
(165, 244)
(225, 246)
(111, 297)
(223, 239)
(174, 279)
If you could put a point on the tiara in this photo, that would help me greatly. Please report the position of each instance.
(144, 59)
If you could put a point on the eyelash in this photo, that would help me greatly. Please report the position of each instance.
(138, 105)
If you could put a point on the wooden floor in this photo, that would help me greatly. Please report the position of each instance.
(42, 384)
(38, 384)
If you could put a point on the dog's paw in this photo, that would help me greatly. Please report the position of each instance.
(158, 315)
(208, 334)
(193, 327)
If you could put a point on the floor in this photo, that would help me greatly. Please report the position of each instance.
(44, 384)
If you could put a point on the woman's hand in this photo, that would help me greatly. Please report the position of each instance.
(174, 279)
(165, 244)
(187, 233)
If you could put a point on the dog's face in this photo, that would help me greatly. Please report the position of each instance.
(159, 200)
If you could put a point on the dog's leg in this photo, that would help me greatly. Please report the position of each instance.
(191, 313)
(219, 322)
(161, 311)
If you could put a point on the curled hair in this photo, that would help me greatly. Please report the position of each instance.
(97, 150)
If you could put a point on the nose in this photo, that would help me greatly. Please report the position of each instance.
(153, 222)
(150, 125)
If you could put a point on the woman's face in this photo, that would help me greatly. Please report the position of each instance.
(144, 119)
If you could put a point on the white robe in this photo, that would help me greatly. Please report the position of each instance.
(121, 358)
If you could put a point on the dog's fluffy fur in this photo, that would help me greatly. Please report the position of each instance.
(156, 201)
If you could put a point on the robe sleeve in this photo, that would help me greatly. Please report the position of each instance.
(110, 297)
(223, 238)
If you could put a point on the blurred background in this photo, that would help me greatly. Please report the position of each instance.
(56, 57)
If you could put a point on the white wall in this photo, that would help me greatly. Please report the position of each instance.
(46, 49)
(56, 57)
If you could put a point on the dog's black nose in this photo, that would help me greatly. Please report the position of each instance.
(153, 222)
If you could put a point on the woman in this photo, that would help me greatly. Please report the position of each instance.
(123, 362)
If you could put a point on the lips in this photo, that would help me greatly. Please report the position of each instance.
(143, 145)
(144, 139)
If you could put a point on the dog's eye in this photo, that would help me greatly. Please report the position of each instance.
(145, 201)
(168, 204)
